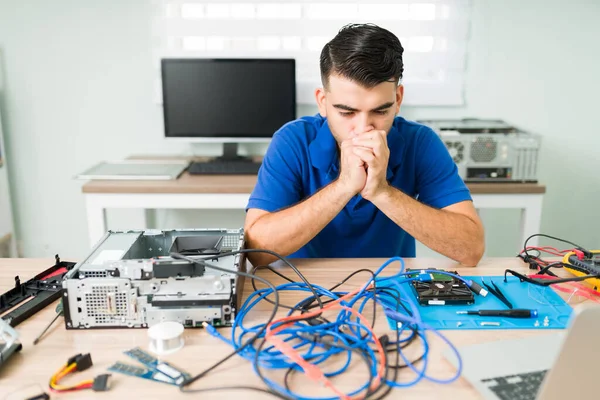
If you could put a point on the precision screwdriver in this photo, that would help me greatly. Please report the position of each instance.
(514, 313)
(59, 312)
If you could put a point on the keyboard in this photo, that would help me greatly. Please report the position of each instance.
(516, 387)
(224, 168)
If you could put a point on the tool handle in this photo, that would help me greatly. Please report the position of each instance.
(514, 313)
(521, 313)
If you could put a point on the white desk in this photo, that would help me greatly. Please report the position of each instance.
(232, 192)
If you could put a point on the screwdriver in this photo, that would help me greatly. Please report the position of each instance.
(514, 313)
(59, 312)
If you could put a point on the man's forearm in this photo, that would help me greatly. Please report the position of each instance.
(288, 230)
(454, 235)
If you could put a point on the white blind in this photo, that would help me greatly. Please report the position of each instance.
(433, 33)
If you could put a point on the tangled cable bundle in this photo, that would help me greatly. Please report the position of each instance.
(328, 326)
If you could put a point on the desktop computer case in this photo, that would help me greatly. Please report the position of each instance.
(489, 150)
(129, 280)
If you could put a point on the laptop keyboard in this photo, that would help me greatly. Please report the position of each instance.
(516, 387)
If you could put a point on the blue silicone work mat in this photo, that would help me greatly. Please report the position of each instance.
(553, 311)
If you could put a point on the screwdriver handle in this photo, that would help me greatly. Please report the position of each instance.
(514, 313)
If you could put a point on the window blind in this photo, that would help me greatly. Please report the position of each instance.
(434, 34)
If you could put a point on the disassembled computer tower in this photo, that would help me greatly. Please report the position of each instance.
(489, 150)
(130, 280)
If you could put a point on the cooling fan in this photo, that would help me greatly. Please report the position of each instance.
(484, 149)
(443, 290)
(456, 150)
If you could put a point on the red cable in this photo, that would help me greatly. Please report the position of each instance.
(55, 273)
(585, 291)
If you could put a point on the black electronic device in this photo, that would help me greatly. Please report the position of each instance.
(221, 167)
(227, 101)
(39, 291)
(441, 289)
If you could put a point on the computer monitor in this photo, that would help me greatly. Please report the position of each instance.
(227, 100)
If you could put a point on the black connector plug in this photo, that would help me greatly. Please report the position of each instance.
(84, 362)
(384, 340)
(477, 288)
(43, 396)
(100, 383)
(73, 359)
(588, 254)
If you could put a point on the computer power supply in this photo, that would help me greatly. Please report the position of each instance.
(489, 150)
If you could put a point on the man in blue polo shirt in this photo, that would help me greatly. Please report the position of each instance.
(356, 180)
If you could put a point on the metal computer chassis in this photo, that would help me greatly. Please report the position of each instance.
(490, 150)
(130, 280)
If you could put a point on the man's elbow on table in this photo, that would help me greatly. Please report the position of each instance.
(258, 258)
(468, 238)
(472, 253)
(254, 239)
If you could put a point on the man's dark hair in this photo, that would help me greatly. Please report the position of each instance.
(364, 53)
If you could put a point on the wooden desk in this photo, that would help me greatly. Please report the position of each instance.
(233, 192)
(35, 364)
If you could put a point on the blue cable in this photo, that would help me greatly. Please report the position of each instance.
(345, 334)
(399, 317)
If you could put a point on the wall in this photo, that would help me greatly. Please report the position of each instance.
(6, 217)
(79, 89)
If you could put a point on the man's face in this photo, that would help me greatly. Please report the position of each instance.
(352, 109)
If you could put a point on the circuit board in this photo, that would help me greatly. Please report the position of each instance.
(154, 369)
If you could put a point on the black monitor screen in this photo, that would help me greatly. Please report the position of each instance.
(227, 98)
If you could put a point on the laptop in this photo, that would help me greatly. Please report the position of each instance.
(135, 170)
(539, 367)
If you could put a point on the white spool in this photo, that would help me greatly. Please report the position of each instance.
(166, 337)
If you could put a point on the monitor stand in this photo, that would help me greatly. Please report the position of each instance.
(230, 153)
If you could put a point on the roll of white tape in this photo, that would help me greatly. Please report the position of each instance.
(166, 337)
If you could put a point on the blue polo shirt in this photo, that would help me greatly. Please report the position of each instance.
(303, 158)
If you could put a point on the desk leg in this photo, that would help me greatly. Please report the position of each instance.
(531, 217)
(96, 219)
(529, 205)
